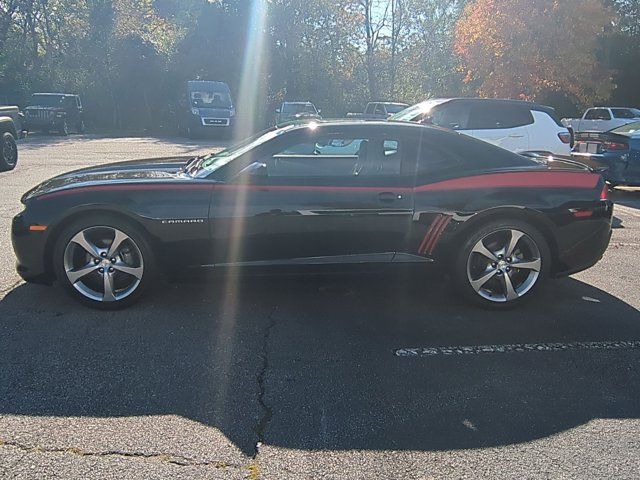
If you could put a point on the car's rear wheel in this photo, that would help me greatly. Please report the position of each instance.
(105, 263)
(502, 264)
(8, 152)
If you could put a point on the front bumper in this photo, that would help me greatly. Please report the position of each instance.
(620, 169)
(30, 250)
(44, 124)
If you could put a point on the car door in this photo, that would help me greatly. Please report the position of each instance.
(504, 125)
(343, 195)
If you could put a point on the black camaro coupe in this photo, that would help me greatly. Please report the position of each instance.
(321, 193)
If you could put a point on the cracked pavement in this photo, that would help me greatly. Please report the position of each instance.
(296, 377)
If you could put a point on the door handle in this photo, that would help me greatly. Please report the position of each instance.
(389, 196)
(515, 135)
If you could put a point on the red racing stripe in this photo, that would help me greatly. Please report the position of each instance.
(546, 179)
(516, 180)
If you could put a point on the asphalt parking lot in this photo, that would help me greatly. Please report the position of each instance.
(315, 377)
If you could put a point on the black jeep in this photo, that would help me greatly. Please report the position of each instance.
(58, 112)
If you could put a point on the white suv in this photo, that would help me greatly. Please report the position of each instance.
(511, 124)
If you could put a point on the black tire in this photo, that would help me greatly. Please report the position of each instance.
(494, 231)
(97, 222)
(8, 152)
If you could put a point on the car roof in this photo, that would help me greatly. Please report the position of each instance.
(389, 103)
(299, 103)
(301, 124)
(56, 94)
(495, 101)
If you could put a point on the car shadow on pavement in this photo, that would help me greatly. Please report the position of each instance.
(310, 363)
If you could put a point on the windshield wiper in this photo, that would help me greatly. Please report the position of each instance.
(193, 165)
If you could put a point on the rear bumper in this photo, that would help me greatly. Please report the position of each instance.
(588, 242)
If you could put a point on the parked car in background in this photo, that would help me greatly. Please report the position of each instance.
(618, 149)
(58, 112)
(291, 111)
(602, 119)
(379, 110)
(16, 115)
(515, 125)
(384, 193)
(8, 146)
(208, 108)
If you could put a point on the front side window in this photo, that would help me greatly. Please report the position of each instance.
(334, 156)
(451, 115)
(493, 117)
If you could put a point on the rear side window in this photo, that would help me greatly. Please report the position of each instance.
(448, 155)
(497, 116)
(625, 113)
(370, 108)
(597, 114)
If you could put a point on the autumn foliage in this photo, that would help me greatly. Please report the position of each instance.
(529, 48)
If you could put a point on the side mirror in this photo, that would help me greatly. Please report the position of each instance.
(319, 111)
(277, 110)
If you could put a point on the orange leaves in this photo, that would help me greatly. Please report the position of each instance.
(525, 48)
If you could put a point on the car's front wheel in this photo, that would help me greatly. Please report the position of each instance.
(105, 263)
(502, 264)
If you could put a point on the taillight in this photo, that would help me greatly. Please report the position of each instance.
(565, 137)
(604, 194)
(609, 146)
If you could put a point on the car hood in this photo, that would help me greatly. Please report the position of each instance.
(156, 169)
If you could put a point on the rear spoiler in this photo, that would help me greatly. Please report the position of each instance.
(550, 159)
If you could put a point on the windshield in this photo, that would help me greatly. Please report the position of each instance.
(630, 129)
(299, 108)
(626, 112)
(210, 99)
(410, 114)
(214, 161)
(46, 100)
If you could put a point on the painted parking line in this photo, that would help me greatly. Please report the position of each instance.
(516, 347)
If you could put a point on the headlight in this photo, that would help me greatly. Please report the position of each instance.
(195, 111)
(232, 112)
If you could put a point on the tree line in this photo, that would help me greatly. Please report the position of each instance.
(130, 59)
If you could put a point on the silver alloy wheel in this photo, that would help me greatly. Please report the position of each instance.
(504, 265)
(103, 264)
(10, 153)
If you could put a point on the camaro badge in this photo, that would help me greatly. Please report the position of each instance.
(182, 221)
